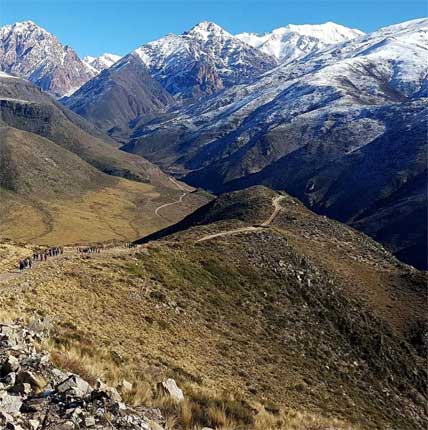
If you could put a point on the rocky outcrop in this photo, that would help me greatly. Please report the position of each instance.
(36, 395)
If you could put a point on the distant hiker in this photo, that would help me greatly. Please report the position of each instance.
(30, 263)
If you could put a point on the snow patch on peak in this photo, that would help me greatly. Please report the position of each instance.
(206, 28)
(102, 62)
(89, 59)
(329, 32)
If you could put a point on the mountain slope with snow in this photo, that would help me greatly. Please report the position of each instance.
(302, 118)
(102, 62)
(120, 96)
(203, 60)
(29, 51)
(294, 41)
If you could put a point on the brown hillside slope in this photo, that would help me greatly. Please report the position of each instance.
(49, 195)
(304, 313)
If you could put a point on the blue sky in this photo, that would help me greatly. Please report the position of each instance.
(96, 26)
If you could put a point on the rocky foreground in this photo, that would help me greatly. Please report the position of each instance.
(35, 395)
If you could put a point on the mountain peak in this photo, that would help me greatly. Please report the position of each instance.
(206, 28)
(25, 26)
(328, 31)
(102, 62)
(29, 51)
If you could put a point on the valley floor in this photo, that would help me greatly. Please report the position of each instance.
(123, 212)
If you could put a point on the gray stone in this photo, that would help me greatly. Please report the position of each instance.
(10, 378)
(89, 421)
(110, 392)
(170, 388)
(10, 404)
(68, 425)
(75, 386)
(11, 364)
(8, 336)
(34, 424)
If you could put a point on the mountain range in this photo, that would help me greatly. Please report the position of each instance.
(257, 204)
(298, 126)
(296, 109)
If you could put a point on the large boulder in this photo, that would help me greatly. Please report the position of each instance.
(171, 389)
(75, 386)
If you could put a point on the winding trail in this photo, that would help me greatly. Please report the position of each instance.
(251, 228)
(13, 274)
(179, 186)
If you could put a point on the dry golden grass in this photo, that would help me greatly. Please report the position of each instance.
(297, 420)
(122, 212)
(10, 253)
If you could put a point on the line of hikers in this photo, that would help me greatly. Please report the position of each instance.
(89, 250)
(27, 263)
(50, 252)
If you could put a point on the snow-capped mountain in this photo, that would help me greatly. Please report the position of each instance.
(203, 60)
(29, 51)
(303, 124)
(293, 41)
(102, 62)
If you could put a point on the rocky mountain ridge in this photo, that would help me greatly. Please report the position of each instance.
(202, 61)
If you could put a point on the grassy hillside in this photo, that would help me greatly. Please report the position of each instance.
(50, 195)
(304, 314)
